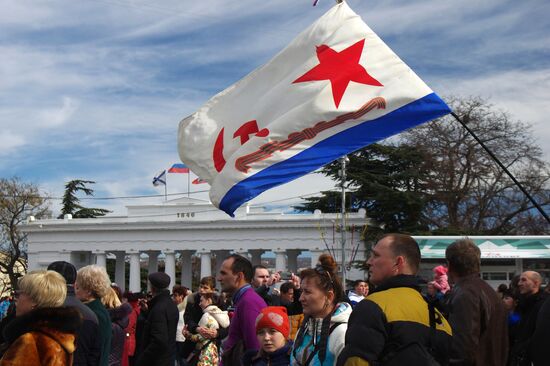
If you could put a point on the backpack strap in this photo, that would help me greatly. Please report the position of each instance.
(316, 347)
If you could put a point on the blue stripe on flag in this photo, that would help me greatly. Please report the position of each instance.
(332, 148)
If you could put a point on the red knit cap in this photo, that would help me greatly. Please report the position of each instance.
(274, 317)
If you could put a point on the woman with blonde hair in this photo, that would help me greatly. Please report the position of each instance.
(43, 332)
(119, 313)
(93, 283)
(322, 334)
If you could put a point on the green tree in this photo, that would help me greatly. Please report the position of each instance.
(468, 193)
(437, 178)
(18, 201)
(71, 203)
(386, 180)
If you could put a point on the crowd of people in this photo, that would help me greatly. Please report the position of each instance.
(67, 317)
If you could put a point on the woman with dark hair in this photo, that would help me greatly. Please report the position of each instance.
(131, 330)
(322, 334)
(179, 296)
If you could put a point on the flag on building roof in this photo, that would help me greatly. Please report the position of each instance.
(160, 178)
(333, 90)
(178, 168)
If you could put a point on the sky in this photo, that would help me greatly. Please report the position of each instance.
(95, 89)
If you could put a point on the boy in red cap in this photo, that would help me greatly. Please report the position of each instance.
(272, 330)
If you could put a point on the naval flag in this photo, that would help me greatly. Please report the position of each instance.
(333, 90)
(159, 178)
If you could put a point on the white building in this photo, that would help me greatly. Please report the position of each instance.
(179, 229)
(176, 230)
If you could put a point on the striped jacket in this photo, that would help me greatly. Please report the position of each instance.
(393, 323)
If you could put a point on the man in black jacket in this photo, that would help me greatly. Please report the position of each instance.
(88, 345)
(530, 302)
(540, 344)
(262, 281)
(158, 342)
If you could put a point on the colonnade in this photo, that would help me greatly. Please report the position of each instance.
(285, 260)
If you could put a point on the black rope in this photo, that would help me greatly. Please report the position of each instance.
(520, 186)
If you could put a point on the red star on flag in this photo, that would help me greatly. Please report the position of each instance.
(340, 68)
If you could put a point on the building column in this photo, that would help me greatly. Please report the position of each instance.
(519, 266)
(220, 257)
(256, 256)
(153, 264)
(315, 254)
(33, 260)
(186, 258)
(120, 270)
(170, 266)
(135, 277)
(101, 259)
(206, 263)
(242, 252)
(292, 255)
(280, 260)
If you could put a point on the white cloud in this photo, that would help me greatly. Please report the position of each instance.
(10, 141)
(523, 93)
(55, 117)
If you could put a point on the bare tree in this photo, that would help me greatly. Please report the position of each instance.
(468, 192)
(18, 201)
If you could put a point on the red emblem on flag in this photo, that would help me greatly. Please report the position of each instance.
(340, 68)
(243, 132)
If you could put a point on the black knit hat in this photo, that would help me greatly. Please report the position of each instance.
(159, 280)
(65, 269)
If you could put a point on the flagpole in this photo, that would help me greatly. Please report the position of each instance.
(165, 186)
(499, 163)
(188, 183)
(343, 161)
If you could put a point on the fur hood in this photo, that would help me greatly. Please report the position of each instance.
(120, 315)
(60, 324)
(221, 316)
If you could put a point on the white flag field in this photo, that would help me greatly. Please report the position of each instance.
(334, 89)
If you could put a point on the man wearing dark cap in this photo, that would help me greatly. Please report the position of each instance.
(88, 345)
(158, 343)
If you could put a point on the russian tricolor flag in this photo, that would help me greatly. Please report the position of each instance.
(178, 168)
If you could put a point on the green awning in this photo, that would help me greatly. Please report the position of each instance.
(491, 246)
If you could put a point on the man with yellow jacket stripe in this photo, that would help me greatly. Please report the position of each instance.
(394, 325)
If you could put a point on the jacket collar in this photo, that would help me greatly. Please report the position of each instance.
(161, 294)
(52, 321)
(401, 280)
(240, 292)
(281, 352)
(467, 278)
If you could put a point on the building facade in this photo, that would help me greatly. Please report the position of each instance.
(180, 229)
(175, 232)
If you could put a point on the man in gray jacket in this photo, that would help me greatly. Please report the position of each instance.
(476, 313)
